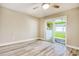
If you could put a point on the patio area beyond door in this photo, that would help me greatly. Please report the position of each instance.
(56, 30)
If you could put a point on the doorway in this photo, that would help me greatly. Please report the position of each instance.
(56, 30)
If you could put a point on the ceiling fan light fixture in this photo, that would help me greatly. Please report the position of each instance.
(45, 6)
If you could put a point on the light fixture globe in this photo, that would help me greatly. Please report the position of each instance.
(45, 6)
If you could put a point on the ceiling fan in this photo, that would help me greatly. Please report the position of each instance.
(47, 5)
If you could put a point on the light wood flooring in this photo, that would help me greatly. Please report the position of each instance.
(34, 48)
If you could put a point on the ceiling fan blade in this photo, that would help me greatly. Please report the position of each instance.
(54, 5)
(35, 7)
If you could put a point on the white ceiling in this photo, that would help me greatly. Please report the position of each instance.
(39, 12)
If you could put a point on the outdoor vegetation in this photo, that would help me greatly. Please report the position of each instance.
(60, 35)
(57, 34)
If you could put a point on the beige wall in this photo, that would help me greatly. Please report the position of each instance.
(72, 25)
(15, 26)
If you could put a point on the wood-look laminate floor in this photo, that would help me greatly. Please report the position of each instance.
(38, 48)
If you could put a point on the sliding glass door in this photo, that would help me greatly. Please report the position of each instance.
(56, 30)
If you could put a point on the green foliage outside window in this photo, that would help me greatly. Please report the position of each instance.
(50, 25)
(56, 34)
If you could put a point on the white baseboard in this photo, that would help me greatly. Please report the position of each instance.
(8, 43)
(74, 47)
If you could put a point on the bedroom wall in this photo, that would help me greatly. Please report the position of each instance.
(72, 26)
(16, 26)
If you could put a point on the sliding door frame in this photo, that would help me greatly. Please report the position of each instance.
(52, 19)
